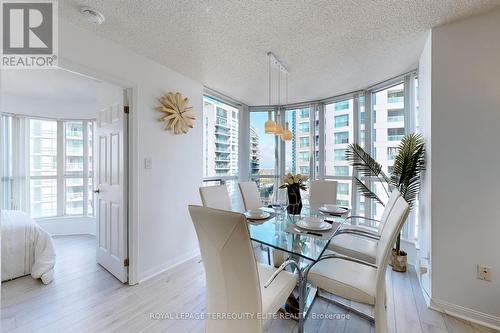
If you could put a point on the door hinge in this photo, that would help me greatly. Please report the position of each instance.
(125, 262)
(126, 109)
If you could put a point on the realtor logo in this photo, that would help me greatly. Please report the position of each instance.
(29, 34)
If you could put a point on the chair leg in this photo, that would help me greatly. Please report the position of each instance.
(269, 255)
(380, 318)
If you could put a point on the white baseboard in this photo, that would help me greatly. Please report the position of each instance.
(465, 313)
(150, 273)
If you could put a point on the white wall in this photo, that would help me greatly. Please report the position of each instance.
(48, 107)
(465, 128)
(51, 93)
(166, 234)
(68, 225)
(424, 231)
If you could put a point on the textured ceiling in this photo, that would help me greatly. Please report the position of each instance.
(330, 47)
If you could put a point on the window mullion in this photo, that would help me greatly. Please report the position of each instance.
(85, 167)
(60, 168)
(281, 150)
(410, 123)
(355, 135)
(321, 153)
(408, 105)
(368, 145)
(312, 140)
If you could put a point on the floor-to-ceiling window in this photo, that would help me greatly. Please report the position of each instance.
(376, 118)
(220, 143)
(338, 134)
(300, 151)
(388, 128)
(43, 168)
(55, 178)
(263, 154)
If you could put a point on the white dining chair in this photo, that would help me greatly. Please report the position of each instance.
(215, 197)
(361, 242)
(322, 192)
(357, 280)
(251, 195)
(236, 283)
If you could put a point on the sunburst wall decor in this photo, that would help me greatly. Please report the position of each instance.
(178, 116)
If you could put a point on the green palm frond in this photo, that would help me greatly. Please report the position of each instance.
(365, 191)
(408, 166)
(366, 165)
(363, 162)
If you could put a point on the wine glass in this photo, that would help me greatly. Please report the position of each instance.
(282, 199)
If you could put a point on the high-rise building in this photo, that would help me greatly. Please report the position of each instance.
(74, 155)
(388, 129)
(254, 152)
(220, 149)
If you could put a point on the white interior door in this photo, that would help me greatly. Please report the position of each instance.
(111, 182)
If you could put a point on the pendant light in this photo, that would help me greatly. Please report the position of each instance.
(287, 134)
(270, 125)
(279, 129)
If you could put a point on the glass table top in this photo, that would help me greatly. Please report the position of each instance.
(273, 232)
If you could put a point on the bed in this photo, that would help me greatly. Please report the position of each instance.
(26, 248)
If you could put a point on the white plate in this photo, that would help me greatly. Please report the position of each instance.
(333, 210)
(253, 215)
(322, 227)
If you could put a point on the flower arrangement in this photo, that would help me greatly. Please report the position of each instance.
(293, 184)
(297, 180)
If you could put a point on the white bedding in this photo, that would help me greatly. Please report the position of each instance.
(26, 248)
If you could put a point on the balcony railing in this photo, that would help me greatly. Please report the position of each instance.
(394, 137)
(395, 99)
(395, 119)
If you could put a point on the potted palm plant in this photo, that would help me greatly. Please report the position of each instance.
(408, 167)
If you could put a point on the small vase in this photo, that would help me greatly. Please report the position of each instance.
(294, 200)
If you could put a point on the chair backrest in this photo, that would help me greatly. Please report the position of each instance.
(322, 192)
(215, 197)
(394, 224)
(230, 268)
(251, 195)
(395, 194)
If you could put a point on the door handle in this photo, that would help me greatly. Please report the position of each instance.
(97, 191)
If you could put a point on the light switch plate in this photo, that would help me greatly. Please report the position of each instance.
(148, 163)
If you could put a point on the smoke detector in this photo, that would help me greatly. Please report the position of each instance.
(92, 15)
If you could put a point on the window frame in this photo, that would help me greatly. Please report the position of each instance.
(243, 162)
(61, 175)
(317, 114)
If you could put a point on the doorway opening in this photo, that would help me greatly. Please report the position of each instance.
(64, 179)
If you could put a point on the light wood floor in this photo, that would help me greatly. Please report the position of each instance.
(85, 298)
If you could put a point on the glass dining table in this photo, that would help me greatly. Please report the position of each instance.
(305, 247)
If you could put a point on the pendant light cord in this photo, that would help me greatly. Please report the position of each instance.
(279, 88)
(269, 56)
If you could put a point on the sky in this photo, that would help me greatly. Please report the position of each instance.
(266, 141)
